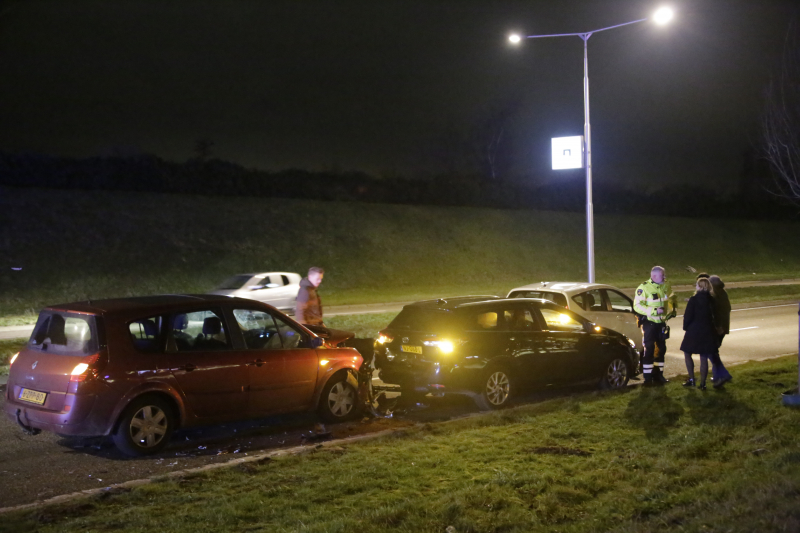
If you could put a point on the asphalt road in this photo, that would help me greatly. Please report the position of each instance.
(43, 466)
(15, 332)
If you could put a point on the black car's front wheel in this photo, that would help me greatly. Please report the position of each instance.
(496, 391)
(616, 374)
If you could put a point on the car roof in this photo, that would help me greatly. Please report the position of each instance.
(450, 302)
(161, 302)
(254, 274)
(472, 302)
(566, 287)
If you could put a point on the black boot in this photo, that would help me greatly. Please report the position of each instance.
(658, 377)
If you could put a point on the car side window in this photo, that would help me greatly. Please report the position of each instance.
(521, 320)
(291, 337)
(501, 320)
(146, 334)
(558, 321)
(619, 302)
(200, 331)
(258, 329)
(285, 279)
(590, 301)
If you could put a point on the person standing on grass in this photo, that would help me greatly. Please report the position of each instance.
(722, 315)
(308, 305)
(655, 303)
(701, 331)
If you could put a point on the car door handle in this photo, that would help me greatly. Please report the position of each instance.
(188, 367)
(257, 362)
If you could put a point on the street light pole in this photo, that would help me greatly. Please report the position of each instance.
(662, 16)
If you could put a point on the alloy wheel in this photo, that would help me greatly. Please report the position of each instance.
(616, 373)
(498, 388)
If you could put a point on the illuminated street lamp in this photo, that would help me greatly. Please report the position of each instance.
(660, 17)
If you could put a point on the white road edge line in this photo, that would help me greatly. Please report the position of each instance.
(742, 329)
(754, 308)
(765, 307)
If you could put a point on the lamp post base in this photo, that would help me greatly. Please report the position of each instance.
(791, 398)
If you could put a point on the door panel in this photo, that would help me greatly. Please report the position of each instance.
(562, 342)
(214, 383)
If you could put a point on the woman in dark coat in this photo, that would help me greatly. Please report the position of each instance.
(701, 331)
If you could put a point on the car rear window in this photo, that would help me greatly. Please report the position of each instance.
(427, 320)
(64, 333)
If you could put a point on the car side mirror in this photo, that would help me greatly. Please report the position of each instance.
(316, 342)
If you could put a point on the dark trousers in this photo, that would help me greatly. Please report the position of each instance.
(719, 370)
(655, 348)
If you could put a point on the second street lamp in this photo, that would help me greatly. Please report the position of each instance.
(662, 16)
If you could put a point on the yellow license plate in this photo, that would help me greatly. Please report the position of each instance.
(411, 349)
(33, 396)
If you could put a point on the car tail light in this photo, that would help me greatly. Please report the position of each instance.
(88, 368)
(383, 338)
(445, 346)
(13, 358)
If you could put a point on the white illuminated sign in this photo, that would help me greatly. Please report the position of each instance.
(567, 152)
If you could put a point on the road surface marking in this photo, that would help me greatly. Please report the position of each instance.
(742, 329)
(765, 307)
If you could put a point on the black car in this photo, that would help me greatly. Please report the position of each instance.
(491, 349)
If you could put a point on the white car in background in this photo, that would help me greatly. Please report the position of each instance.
(605, 305)
(278, 289)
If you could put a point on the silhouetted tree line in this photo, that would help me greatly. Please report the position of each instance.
(215, 177)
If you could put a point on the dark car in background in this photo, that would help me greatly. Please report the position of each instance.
(492, 349)
(138, 368)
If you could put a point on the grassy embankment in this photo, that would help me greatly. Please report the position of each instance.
(640, 460)
(88, 245)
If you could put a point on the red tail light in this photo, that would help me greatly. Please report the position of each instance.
(88, 368)
(384, 337)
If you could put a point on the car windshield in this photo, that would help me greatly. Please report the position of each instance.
(425, 320)
(235, 282)
(64, 333)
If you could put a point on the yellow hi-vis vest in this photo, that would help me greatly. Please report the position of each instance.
(650, 296)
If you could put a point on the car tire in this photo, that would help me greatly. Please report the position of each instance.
(497, 389)
(145, 426)
(339, 400)
(616, 374)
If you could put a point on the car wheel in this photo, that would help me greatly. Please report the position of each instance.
(339, 400)
(496, 391)
(145, 426)
(616, 374)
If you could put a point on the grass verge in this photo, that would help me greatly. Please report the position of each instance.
(640, 460)
(112, 244)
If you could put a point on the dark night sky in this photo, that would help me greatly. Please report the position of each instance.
(382, 86)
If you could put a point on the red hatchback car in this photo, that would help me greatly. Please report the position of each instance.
(138, 368)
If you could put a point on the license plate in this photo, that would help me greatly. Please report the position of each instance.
(33, 396)
(411, 349)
